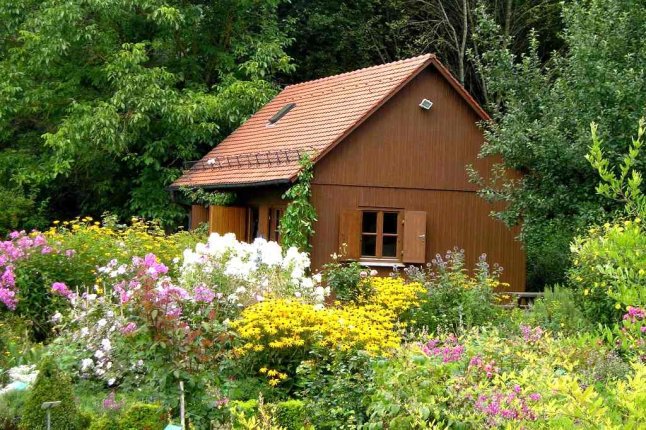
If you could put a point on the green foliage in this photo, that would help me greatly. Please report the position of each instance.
(16, 343)
(11, 405)
(625, 186)
(292, 415)
(608, 270)
(408, 392)
(142, 416)
(333, 388)
(101, 102)
(344, 280)
(254, 415)
(214, 198)
(558, 311)
(542, 117)
(296, 224)
(17, 210)
(51, 385)
(103, 423)
(455, 300)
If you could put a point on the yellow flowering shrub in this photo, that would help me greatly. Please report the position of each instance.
(280, 333)
(95, 243)
(393, 294)
(278, 327)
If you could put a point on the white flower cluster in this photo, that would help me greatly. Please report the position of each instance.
(243, 273)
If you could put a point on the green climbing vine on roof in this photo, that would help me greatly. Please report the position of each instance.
(200, 196)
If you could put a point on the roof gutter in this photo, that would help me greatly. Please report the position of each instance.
(283, 181)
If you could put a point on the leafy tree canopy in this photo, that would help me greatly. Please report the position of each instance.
(101, 101)
(543, 116)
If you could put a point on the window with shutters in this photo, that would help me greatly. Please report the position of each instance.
(380, 234)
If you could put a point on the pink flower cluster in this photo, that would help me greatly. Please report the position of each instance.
(203, 294)
(530, 334)
(61, 289)
(17, 247)
(634, 316)
(488, 368)
(507, 406)
(110, 403)
(449, 350)
(8, 288)
(144, 278)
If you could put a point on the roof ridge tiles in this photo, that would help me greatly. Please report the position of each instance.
(353, 72)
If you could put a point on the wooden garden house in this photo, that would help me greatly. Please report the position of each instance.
(390, 145)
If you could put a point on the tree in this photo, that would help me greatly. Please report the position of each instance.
(101, 101)
(541, 122)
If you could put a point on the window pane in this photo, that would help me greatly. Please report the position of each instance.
(390, 246)
(369, 222)
(369, 245)
(390, 222)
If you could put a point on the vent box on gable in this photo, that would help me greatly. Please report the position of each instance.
(426, 104)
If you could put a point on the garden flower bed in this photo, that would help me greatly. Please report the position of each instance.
(116, 317)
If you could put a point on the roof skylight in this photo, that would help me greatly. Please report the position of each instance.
(281, 113)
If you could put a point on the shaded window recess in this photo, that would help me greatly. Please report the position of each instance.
(380, 234)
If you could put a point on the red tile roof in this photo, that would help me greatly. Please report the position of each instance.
(326, 111)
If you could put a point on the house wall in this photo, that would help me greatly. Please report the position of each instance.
(407, 158)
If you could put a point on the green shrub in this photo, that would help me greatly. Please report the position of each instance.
(143, 416)
(343, 280)
(291, 415)
(51, 385)
(608, 272)
(558, 311)
(455, 300)
(246, 409)
(104, 423)
(333, 387)
(11, 404)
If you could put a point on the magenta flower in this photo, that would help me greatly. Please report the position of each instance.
(40, 240)
(531, 334)
(110, 403)
(61, 289)
(8, 297)
(203, 294)
(129, 328)
(450, 352)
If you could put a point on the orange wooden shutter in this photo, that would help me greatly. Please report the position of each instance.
(414, 237)
(263, 222)
(350, 234)
(228, 219)
(199, 215)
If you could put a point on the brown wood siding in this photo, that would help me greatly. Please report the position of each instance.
(452, 219)
(402, 145)
(406, 158)
(199, 215)
(228, 219)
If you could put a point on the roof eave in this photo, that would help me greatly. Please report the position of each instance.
(217, 186)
